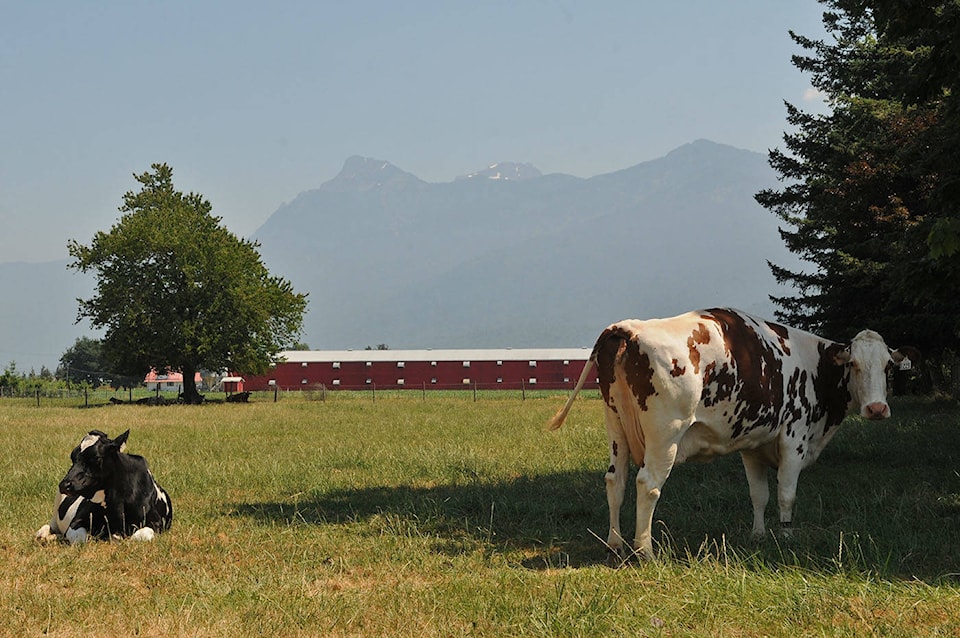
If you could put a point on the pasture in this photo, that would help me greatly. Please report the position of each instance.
(405, 517)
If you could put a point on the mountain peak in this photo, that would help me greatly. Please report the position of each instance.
(512, 171)
(364, 173)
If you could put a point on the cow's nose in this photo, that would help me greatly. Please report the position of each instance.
(877, 410)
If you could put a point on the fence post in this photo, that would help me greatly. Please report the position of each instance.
(38, 397)
(474, 391)
(86, 399)
(424, 390)
(523, 390)
(275, 390)
(373, 389)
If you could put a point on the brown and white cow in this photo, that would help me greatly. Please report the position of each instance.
(718, 381)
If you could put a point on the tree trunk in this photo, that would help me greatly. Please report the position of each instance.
(190, 394)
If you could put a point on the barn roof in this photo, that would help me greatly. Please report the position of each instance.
(506, 354)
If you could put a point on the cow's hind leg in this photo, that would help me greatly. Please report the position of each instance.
(616, 481)
(658, 462)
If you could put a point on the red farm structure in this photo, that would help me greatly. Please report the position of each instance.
(508, 369)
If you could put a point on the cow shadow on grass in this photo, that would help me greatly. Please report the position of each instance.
(883, 499)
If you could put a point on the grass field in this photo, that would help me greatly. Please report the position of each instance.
(404, 517)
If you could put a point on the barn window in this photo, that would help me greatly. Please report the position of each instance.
(466, 364)
(566, 362)
(433, 363)
(336, 382)
(399, 381)
(369, 381)
(533, 364)
(303, 381)
(433, 380)
(499, 362)
(533, 381)
(336, 365)
(466, 382)
(499, 379)
(400, 364)
(303, 364)
(369, 363)
(566, 379)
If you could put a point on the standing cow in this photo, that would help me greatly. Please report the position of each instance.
(718, 381)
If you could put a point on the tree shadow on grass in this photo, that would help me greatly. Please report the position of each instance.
(546, 518)
(884, 499)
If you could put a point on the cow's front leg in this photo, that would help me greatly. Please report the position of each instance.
(756, 471)
(787, 475)
(616, 480)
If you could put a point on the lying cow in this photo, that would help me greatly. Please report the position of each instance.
(719, 381)
(107, 493)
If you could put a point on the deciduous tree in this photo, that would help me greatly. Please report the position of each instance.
(176, 291)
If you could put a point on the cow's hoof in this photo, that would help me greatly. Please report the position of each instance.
(44, 535)
(615, 558)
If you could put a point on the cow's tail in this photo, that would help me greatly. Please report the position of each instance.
(561, 415)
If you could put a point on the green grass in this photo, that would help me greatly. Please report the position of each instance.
(446, 517)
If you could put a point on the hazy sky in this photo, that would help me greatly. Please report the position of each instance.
(253, 103)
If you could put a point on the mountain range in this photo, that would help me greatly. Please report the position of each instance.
(502, 257)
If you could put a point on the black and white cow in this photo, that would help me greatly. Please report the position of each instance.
(717, 381)
(106, 493)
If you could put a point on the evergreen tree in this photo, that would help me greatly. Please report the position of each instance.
(869, 191)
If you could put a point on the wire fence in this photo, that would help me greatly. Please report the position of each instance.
(87, 397)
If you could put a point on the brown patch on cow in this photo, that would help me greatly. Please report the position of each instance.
(719, 384)
(677, 371)
(796, 403)
(615, 448)
(752, 376)
(700, 336)
(639, 372)
(610, 344)
(832, 397)
(782, 333)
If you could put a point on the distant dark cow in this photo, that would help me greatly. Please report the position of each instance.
(114, 490)
(717, 381)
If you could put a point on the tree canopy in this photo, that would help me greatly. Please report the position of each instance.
(176, 291)
(871, 195)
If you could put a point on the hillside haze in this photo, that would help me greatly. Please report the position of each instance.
(501, 257)
(507, 257)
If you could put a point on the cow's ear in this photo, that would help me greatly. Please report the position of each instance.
(897, 356)
(120, 443)
(841, 356)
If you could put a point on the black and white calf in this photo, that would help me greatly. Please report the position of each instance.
(108, 492)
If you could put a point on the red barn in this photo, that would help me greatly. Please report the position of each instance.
(509, 369)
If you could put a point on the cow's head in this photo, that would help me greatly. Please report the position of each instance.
(868, 359)
(94, 461)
